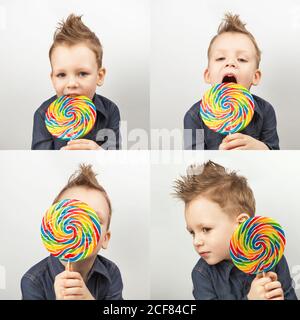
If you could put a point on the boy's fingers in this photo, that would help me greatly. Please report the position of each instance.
(71, 283)
(272, 285)
(263, 281)
(70, 275)
(234, 144)
(274, 293)
(83, 146)
(72, 297)
(78, 141)
(233, 136)
(272, 275)
(72, 291)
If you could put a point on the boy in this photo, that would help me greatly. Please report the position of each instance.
(92, 278)
(216, 202)
(233, 56)
(76, 69)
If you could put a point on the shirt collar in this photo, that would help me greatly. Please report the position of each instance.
(257, 108)
(57, 267)
(99, 105)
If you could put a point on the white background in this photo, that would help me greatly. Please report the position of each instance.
(29, 182)
(26, 33)
(180, 35)
(274, 178)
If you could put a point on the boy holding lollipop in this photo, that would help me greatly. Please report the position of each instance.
(233, 56)
(216, 202)
(93, 278)
(76, 70)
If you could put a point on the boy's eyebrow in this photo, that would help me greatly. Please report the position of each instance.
(224, 51)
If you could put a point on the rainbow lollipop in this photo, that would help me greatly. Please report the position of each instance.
(227, 108)
(257, 245)
(70, 230)
(70, 118)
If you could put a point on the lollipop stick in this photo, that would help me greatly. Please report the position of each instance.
(69, 266)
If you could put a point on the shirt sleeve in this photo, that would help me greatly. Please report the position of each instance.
(31, 290)
(41, 138)
(116, 286)
(203, 287)
(269, 134)
(193, 132)
(285, 279)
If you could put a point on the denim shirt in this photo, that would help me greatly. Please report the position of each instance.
(262, 127)
(108, 118)
(224, 281)
(104, 280)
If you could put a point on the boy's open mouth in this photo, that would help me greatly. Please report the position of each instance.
(229, 78)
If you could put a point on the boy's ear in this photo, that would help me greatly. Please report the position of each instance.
(206, 76)
(256, 77)
(101, 76)
(242, 217)
(106, 240)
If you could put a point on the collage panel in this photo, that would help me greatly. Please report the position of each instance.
(117, 81)
(187, 59)
(194, 194)
(30, 189)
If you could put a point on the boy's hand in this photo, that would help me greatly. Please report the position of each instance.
(239, 141)
(81, 144)
(274, 289)
(257, 289)
(69, 285)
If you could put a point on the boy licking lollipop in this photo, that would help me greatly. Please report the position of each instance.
(94, 277)
(76, 70)
(216, 202)
(233, 56)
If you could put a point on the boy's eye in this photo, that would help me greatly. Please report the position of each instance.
(61, 75)
(242, 60)
(83, 74)
(220, 59)
(205, 230)
(192, 233)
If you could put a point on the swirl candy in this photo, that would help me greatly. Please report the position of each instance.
(227, 108)
(70, 230)
(70, 118)
(257, 245)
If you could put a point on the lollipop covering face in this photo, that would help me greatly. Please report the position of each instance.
(227, 108)
(257, 245)
(70, 230)
(69, 118)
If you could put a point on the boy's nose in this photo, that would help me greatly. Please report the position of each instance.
(231, 63)
(72, 83)
(198, 241)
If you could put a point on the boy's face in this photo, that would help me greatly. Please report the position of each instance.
(211, 229)
(75, 71)
(95, 200)
(232, 59)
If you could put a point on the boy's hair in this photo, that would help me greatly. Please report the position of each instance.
(232, 23)
(210, 180)
(73, 31)
(86, 177)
